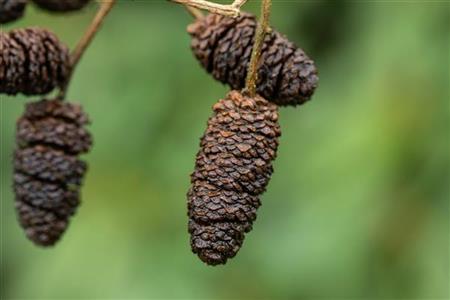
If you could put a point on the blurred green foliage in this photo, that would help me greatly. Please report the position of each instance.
(358, 206)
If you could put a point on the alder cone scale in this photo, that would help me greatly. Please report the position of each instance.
(61, 5)
(233, 168)
(47, 172)
(223, 45)
(32, 61)
(11, 10)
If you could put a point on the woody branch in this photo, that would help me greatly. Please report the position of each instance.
(230, 10)
(85, 41)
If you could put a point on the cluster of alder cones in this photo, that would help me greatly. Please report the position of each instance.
(233, 166)
(51, 134)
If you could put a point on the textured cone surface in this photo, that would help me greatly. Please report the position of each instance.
(61, 5)
(42, 226)
(48, 174)
(232, 170)
(32, 61)
(223, 45)
(11, 10)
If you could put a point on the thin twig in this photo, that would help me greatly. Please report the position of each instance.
(263, 27)
(83, 44)
(238, 3)
(230, 10)
(195, 12)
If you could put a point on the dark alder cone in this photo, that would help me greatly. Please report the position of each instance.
(223, 45)
(47, 172)
(32, 61)
(233, 168)
(61, 5)
(11, 10)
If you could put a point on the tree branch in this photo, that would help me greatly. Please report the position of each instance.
(86, 39)
(263, 27)
(230, 10)
(195, 12)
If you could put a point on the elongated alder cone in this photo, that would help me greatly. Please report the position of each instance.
(47, 172)
(32, 61)
(11, 10)
(223, 45)
(61, 5)
(232, 170)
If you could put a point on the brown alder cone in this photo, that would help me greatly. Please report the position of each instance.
(232, 170)
(32, 61)
(61, 5)
(223, 45)
(47, 172)
(11, 10)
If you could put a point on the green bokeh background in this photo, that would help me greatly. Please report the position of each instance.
(358, 206)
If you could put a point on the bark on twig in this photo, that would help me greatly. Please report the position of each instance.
(263, 27)
(83, 44)
(230, 10)
(195, 12)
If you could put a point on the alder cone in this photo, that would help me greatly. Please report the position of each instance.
(47, 171)
(11, 10)
(32, 61)
(223, 45)
(61, 5)
(233, 168)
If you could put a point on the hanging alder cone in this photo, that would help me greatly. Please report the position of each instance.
(47, 172)
(61, 5)
(32, 61)
(233, 168)
(11, 10)
(223, 45)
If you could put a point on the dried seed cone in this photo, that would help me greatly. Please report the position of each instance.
(61, 5)
(232, 170)
(11, 10)
(47, 172)
(223, 45)
(32, 61)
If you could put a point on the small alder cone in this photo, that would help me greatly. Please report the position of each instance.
(11, 10)
(47, 172)
(32, 61)
(61, 5)
(223, 45)
(233, 168)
